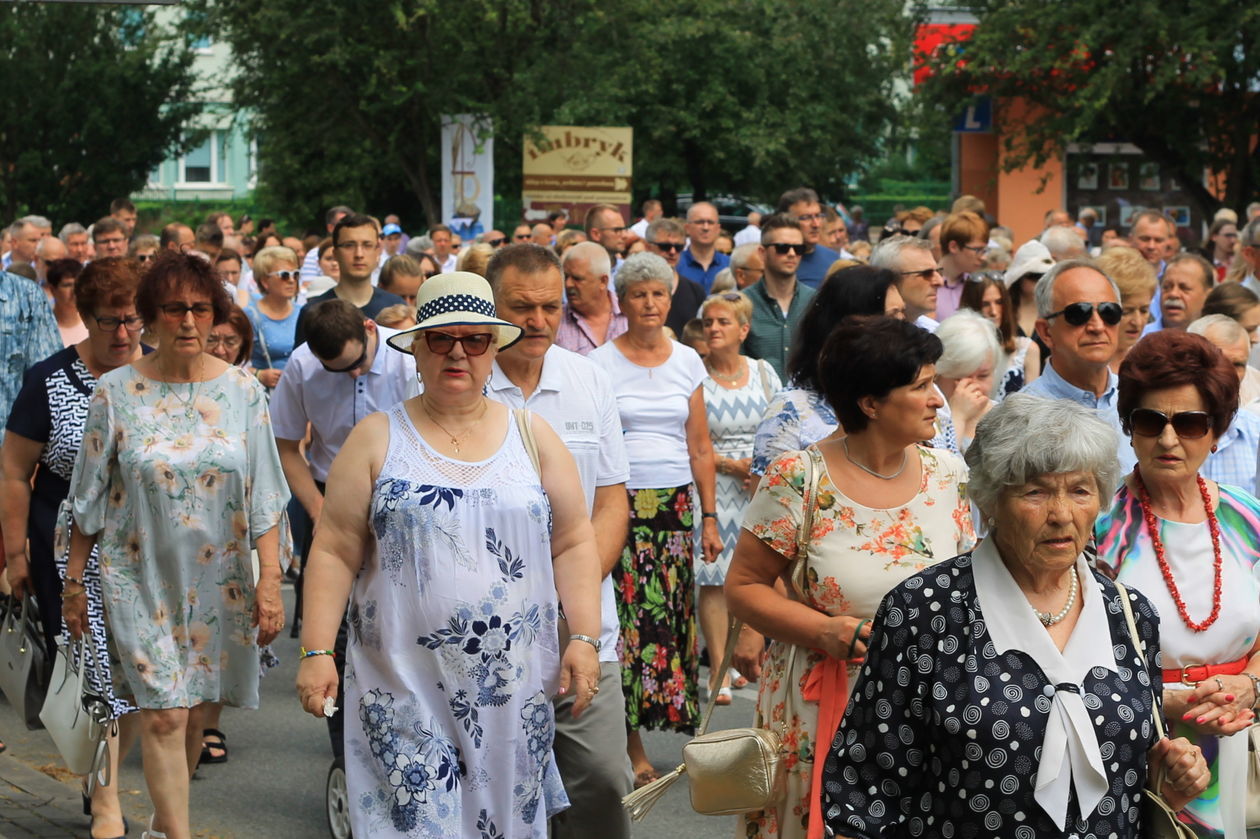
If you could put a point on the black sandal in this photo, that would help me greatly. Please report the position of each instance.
(209, 745)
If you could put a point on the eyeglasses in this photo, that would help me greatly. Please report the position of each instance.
(495, 243)
(134, 323)
(979, 250)
(358, 362)
(1078, 314)
(145, 257)
(1190, 425)
(524, 237)
(781, 248)
(925, 274)
(675, 247)
(232, 343)
(178, 311)
(440, 343)
(286, 275)
(704, 222)
(811, 217)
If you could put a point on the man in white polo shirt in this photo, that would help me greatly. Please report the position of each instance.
(577, 399)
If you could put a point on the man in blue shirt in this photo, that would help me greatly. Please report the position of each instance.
(701, 261)
(802, 205)
(1078, 311)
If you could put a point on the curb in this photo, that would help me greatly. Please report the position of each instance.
(43, 806)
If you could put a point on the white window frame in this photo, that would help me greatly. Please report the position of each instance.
(216, 167)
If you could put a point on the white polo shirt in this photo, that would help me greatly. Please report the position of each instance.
(333, 403)
(576, 398)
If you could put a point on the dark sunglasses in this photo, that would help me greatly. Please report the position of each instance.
(781, 248)
(494, 243)
(1189, 425)
(1078, 314)
(673, 247)
(357, 363)
(145, 257)
(440, 343)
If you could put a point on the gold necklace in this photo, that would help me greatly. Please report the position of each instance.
(454, 439)
(190, 403)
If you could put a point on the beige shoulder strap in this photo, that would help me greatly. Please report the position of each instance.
(525, 425)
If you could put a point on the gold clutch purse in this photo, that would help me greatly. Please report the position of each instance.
(739, 770)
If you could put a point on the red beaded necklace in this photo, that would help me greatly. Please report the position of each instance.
(1144, 499)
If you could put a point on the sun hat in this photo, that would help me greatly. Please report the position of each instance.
(1031, 258)
(457, 298)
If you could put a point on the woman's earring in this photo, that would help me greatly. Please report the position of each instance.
(1214, 450)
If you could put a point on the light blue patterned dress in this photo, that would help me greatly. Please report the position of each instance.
(453, 654)
(797, 417)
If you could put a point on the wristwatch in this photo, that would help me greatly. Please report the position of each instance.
(708, 515)
(594, 642)
(1255, 689)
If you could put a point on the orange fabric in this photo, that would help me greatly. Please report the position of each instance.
(826, 683)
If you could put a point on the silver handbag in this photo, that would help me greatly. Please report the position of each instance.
(23, 659)
(78, 719)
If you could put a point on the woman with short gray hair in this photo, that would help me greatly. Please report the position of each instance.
(1013, 665)
(660, 397)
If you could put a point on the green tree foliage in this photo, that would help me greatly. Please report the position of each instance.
(750, 95)
(1177, 78)
(93, 98)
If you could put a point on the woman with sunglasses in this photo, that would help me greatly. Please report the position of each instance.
(178, 478)
(457, 530)
(1191, 545)
(274, 316)
(45, 431)
(986, 293)
(144, 249)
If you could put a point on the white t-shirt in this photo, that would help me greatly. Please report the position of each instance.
(576, 398)
(654, 403)
(639, 228)
(750, 235)
(333, 403)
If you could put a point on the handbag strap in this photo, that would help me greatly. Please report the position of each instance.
(762, 365)
(1158, 780)
(808, 487)
(526, 428)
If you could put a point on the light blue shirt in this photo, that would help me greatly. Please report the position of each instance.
(1235, 460)
(1051, 385)
(28, 334)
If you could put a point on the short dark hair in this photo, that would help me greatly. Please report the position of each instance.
(778, 221)
(239, 321)
(1207, 274)
(396, 265)
(172, 272)
(1172, 358)
(209, 233)
(1230, 299)
(332, 324)
(330, 217)
(170, 234)
(556, 214)
(59, 269)
(593, 214)
(121, 204)
(870, 356)
(859, 290)
(354, 220)
(109, 224)
(802, 194)
(226, 254)
(525, 257)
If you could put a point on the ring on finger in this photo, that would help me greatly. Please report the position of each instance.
(1219, 684)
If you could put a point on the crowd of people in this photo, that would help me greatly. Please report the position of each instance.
(922, 470)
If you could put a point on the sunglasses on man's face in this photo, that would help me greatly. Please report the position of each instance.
(672, 247)
(1078, 314)
(497, 242)
(781, 248)
(1189, 425)
(440, 343)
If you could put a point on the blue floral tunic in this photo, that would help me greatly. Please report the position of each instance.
(453, 655)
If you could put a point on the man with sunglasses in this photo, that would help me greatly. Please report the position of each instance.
(918, 277)
(665, 238)
(335, 379)
(605, 226)
(576, 397)
(778, 298)
(357, 249)
(802, 204)
(1078, 312)
(701, 261)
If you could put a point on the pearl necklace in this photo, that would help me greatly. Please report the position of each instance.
(844, 441)
(1048, 619)
(1214, 528)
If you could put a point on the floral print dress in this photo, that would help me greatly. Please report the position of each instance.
(178, 481)
(453, 655)
(856, 555)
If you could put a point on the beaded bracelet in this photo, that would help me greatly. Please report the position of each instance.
(308, 653)
(78, 581)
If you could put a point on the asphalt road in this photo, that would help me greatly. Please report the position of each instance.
(273, 787)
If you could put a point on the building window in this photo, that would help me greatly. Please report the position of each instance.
(199, 164)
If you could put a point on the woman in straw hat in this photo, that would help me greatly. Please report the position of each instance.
(457, 521)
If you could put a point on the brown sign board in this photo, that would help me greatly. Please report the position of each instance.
(573, 168)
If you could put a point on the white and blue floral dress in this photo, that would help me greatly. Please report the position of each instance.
(453, 652)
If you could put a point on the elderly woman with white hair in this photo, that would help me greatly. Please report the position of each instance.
(660, 396)
(968, 371)
(1013, 666)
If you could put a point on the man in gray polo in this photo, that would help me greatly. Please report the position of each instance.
(577, 399)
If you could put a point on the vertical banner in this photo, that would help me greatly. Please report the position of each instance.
(467, 174)
(572, 168)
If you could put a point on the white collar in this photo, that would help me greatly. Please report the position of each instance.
(1069, 753)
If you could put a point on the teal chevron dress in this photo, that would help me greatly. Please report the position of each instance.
(734, 415)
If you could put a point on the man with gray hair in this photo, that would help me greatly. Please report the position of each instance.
(26, 235)
(75, 237)
(48, 249)
(747, 265)
(1063, 243)
(591, 315)
(1234, 457)
(1078, 312)
(919, 278)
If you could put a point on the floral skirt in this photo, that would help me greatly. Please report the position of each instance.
(660, 659)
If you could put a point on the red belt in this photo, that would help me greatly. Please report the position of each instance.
(1192, 674)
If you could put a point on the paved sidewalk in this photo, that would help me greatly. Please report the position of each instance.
(36, 806)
